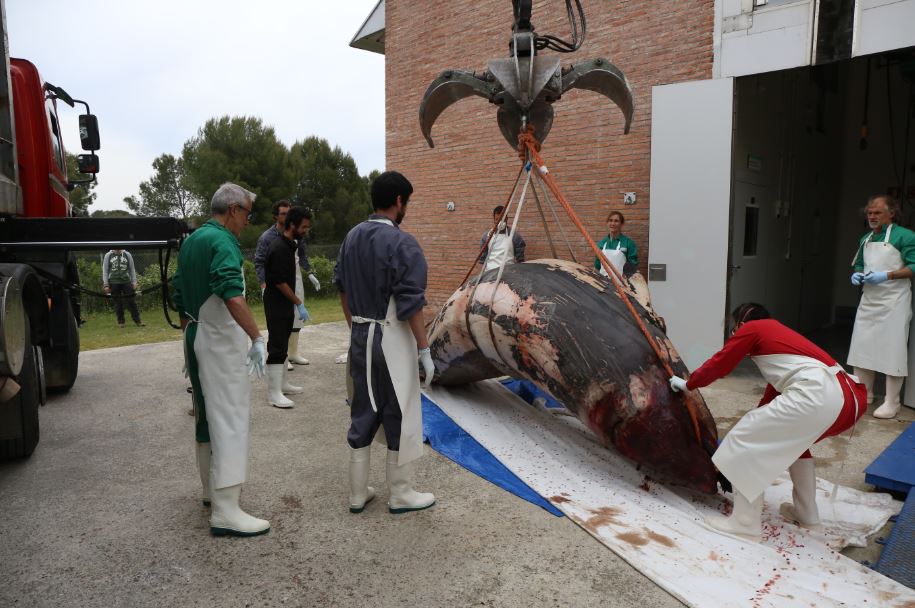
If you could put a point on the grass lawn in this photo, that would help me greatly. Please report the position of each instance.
(101, 329)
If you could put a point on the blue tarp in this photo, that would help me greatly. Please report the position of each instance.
(451, 441)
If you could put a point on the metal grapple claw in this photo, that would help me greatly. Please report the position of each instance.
(601, 76)
(524, 88)
(451, 86)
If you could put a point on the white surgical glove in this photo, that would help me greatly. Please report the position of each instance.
(425, 359)
(257, 357)
(314, 281)
(677, 384)
(857, 278)
(303, 312)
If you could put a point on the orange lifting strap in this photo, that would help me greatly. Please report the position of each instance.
(528, 149)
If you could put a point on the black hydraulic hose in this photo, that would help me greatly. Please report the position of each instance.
(163, 276)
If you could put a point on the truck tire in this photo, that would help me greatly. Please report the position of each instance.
(27, 400)
(61, 365)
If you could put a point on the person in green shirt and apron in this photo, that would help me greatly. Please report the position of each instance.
(883, 265)
(619, 248)
(210, 297)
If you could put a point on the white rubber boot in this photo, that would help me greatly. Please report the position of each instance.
(360, 492)
(203, 466)
(289, 366)
(403, 498)
(275, 396)
(866, 376)
(288, 387)
(891, 403)
(804, 511)
(294, 356)
(227, 518)
(745, 521)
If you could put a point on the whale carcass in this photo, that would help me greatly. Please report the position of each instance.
(565, 328)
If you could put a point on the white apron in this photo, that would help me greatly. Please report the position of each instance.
(399, 347)
(768, 439)
(500, 248)
(615, 257)
(299, 293)
(880, 335)
(220, 346)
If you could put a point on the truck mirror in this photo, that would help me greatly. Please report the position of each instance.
(87, 163)
(88, 132)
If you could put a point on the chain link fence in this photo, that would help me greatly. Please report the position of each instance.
(146, 264)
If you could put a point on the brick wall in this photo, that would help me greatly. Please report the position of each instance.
(652, 42)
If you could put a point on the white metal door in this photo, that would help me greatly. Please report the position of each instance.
(750, 253)
(883, 25)
(691, 133)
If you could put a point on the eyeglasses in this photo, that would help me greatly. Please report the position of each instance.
(248, 214)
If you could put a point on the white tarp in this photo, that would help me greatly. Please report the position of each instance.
(659, 529)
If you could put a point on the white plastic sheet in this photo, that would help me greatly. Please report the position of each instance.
(659, 529)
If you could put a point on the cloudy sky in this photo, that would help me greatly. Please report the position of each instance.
(155, 70)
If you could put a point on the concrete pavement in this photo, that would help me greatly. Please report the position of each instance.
(107, 511)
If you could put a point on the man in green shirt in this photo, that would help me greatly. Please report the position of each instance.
(210, 297)
(884, 265)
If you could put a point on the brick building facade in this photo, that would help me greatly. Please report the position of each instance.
(652, 42)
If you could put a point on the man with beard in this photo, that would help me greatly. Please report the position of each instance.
(281, 304)
(381, 277)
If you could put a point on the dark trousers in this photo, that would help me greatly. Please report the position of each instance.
(278, 329)
(364, 421)
(125, 290)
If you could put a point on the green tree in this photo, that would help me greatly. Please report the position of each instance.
(83, 195)
(166, 193)
(328, 181)
(242, 150)
(111, 213)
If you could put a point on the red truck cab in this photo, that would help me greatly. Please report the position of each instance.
(41, 156)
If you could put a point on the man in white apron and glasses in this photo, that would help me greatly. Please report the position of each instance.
(808, 397)
(381, 276)
(502, 245)
(884, 266)
(210, 297)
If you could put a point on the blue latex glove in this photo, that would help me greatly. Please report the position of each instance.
(257, 358)
(875, 278)
(857, 278)
(303, 312)
(677, 384)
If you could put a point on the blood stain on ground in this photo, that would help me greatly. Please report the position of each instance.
(603, 517)
(660, 538)
(558, 499)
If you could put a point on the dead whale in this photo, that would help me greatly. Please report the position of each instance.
(565, 328)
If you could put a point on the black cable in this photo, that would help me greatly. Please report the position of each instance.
(889, 105)
(578, 28)
(163, 277)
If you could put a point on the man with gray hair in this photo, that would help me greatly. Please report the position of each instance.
(210, 296)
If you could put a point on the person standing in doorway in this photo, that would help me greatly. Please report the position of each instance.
(282, 305)
(280, 209)
(502, 247)
(618, 248)
(119, 280)
(883, 266)
(381, 277)
(210, 297)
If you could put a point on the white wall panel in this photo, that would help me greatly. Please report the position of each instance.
(691, 132)
(883, 25)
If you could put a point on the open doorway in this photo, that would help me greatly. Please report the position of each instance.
(810, 146)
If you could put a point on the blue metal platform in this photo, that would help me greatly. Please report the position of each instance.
(894, 469)
(898, 558)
